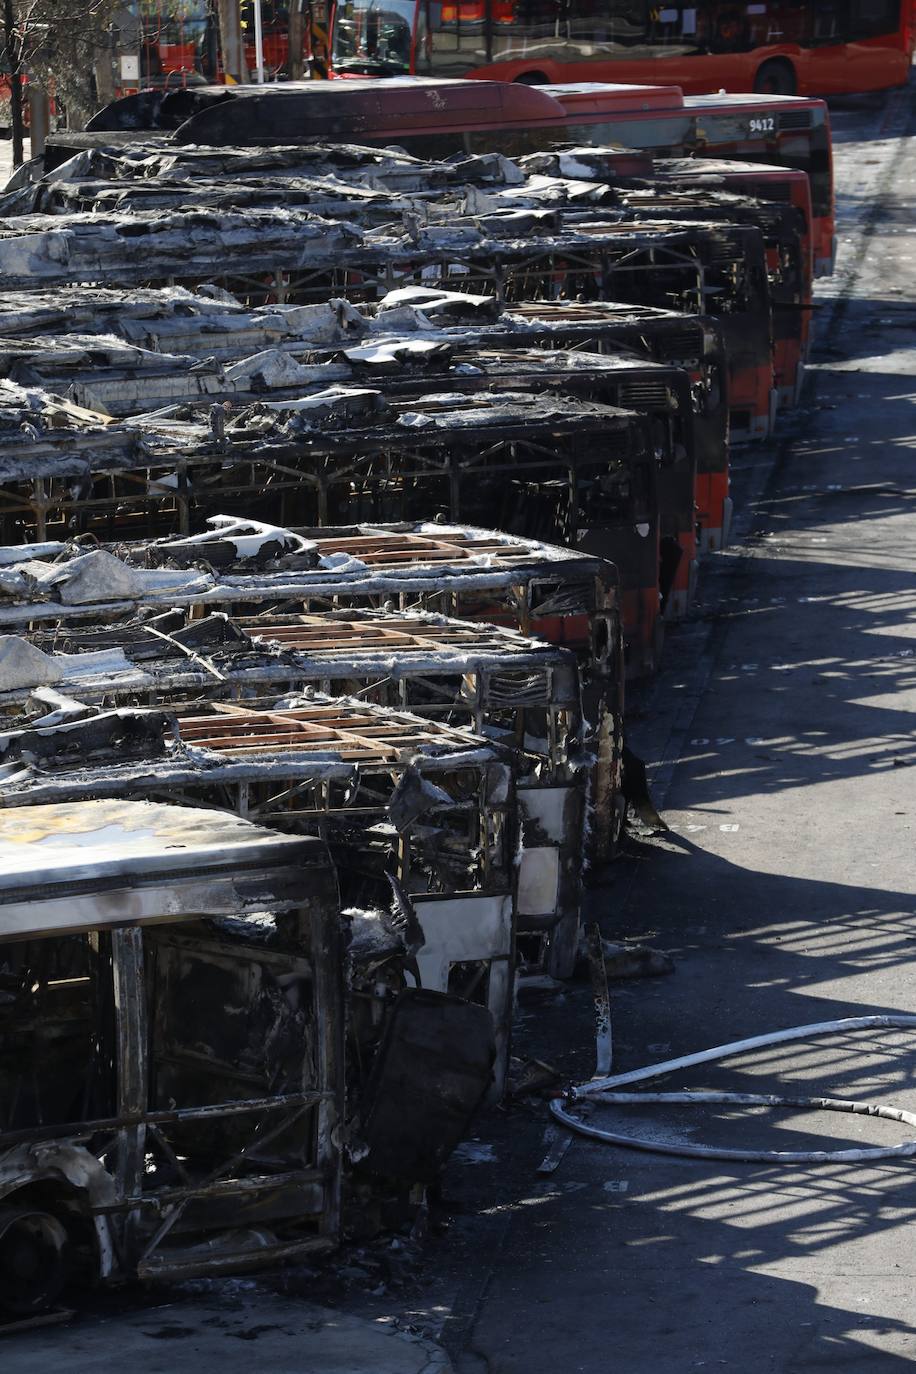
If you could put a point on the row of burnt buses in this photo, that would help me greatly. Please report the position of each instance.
(341, 488)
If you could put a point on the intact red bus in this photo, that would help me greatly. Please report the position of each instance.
(179, 41)
(823, 47)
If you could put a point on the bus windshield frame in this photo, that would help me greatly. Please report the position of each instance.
(375, 37)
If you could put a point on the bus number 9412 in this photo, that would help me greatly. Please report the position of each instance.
(766, 124)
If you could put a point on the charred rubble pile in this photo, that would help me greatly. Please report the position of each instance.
(342, 493)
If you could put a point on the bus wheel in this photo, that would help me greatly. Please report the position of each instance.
(531, 79)
(776, 78)
(32, 1260)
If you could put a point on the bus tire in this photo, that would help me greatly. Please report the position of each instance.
(532, 79)
(776, 77)
(33, 1269)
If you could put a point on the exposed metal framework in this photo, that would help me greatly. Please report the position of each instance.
(526, 231)
(391, 792)
(101, 175)
(124, 381)
(295, 257)
(513, 689)
(477, 675)
(322, 457)
(536, 461)
(164, 330)
(166, 1131)
(563, 596)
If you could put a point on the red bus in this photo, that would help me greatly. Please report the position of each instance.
(179, 41)
(783, 131)
(172, 37)
(821, 47)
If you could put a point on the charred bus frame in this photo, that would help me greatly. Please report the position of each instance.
(547, 467)
(390, 792)
(520, 692)
(702, 268)
(163, 1137)
(562, 596)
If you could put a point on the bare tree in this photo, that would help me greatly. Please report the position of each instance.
(63, 46)
(12, 55)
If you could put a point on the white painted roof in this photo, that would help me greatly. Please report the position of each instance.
(95, 842)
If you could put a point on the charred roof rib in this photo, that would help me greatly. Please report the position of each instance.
(59, 581)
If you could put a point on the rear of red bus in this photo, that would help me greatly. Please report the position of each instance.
(788, 265)
(791, 327)
(801, 140)
(699, 267)
(783, 131)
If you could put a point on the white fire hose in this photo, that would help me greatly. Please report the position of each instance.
(604, 1090)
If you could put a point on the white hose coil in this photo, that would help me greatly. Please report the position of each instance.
(602, 1090)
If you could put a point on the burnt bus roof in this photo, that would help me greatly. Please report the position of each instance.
(37, 250)
(326, 754)
(217, 653)
(345, 418)
(380, 208)
(246, 563)
(150, 245)
(149, 172)
(474, 209)
(634, 117)
(691, 336)
(315, 177)
(412, 360)
(117, 196)
(220, 327)
(634, 163)
(64, 144)
(304, 735)
(360, 433)
(125, 381)
(170, 862)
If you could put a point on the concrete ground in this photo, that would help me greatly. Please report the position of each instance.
(782, 736)
(228, 1326)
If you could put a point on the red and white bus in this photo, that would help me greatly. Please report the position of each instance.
(786, 47)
